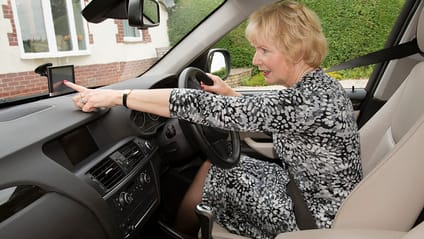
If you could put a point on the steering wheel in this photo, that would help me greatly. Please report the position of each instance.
(212, 141)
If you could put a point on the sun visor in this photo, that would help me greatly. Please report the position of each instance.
(99, 10)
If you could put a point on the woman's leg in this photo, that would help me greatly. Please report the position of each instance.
(186, 219)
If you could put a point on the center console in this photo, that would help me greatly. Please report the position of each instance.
(126, 179)
(122, 172)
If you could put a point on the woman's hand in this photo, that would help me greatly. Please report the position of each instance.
(219, 86)
(89, 100)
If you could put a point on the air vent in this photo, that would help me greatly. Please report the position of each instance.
(107, 173)
(132, 153)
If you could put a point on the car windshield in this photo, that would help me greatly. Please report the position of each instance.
(53, 37)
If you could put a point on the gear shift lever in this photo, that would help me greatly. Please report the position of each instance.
(206, 218)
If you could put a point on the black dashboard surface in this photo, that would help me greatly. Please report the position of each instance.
(31, 130)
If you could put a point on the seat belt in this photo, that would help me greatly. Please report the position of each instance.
(394, 52)
(304, 218)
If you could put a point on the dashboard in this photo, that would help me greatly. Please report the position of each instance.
(148, 124)
(101, 169)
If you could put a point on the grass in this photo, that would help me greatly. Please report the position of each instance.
(356, 73)
(255, 80)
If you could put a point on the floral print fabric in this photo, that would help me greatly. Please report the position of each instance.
(314, 135)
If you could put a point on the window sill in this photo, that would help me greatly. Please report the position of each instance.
(133, 40)
(54, 55)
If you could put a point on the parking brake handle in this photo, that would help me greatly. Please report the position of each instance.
(206, 218)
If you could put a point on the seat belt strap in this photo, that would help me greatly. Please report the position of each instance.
(304, 218)
(394, 52)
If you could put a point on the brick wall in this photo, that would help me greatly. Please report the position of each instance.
(29, 83)
(20, 84)
(8, 14)
(120, 35)
(237, 76)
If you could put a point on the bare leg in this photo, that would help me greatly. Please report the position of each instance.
(186, 219)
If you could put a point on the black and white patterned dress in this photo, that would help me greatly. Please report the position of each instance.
(315, 136)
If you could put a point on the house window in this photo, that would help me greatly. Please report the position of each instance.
(131, 34)
(50, 28)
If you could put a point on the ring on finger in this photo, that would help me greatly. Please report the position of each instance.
(83, 101)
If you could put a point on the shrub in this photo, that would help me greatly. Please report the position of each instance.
(240, 49)
(255, 80)
(178, 22)
(355, 27)
(221, 72)
(352, 28)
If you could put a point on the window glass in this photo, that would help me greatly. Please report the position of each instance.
(79, 25)
(130, 32)
(33, 30)
(54, 31)
(61, 25)
(352, 28)
(51, 27)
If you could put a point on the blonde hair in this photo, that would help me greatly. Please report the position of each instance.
(293, 28)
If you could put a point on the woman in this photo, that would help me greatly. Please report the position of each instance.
(313, 128)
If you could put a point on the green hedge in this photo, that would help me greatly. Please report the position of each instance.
(352, 27)
(340, 21)
(240, 49)
(179, 24)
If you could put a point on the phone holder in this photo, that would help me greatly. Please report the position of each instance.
(42, 69)
(56, 75)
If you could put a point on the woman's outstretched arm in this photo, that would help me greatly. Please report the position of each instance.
(154, 101)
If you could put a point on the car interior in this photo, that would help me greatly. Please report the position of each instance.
(120, 173)
(392, 162)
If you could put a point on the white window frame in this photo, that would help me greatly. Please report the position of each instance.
(49, 25)
(131, 38)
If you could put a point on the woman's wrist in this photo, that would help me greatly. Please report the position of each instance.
(125, 96)
(117, 97)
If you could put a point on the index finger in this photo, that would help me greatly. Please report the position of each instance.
(76, 87)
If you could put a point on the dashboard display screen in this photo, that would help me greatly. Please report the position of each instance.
(56, 76)
(78, 145)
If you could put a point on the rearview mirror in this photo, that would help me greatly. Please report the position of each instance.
(140, 13)
(143, 13)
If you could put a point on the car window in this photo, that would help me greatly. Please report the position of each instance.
(37, 32)
(53, 31)
(352, 29)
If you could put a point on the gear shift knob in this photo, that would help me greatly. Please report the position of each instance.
(206, 218)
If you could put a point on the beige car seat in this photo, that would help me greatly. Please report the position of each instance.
(388, 201)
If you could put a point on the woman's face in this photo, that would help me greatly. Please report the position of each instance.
(275, 66)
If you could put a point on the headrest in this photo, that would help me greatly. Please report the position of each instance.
(420, 31)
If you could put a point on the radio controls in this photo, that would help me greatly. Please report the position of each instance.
(125, 198)
(137, 195)
(144, 178)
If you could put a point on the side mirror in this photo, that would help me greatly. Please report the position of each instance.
(219, 63)
(143, 13)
